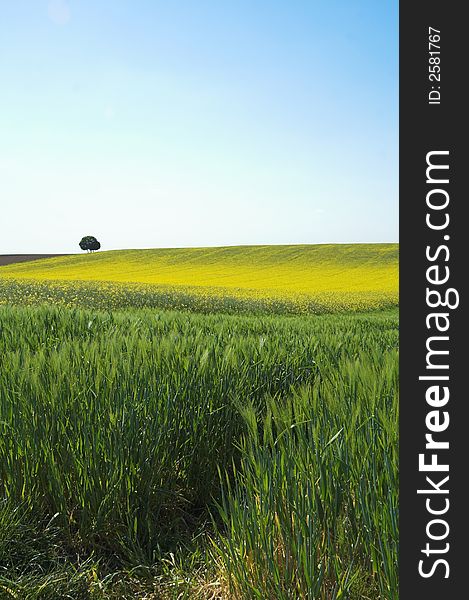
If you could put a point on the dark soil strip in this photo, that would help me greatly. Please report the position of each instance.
(8, 259)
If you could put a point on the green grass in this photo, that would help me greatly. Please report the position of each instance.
(151, 454)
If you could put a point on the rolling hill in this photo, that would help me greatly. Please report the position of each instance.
(289, 269)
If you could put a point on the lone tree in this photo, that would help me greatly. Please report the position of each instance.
(89, 243)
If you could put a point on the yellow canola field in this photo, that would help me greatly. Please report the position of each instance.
(303, 269)
(347, 275)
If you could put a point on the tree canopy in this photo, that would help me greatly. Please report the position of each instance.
(89, 243)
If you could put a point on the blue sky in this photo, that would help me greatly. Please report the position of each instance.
(153, 123)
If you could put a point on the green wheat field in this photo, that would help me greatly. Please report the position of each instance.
(210, 423)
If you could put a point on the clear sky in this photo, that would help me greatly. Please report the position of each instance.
(162, 123)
